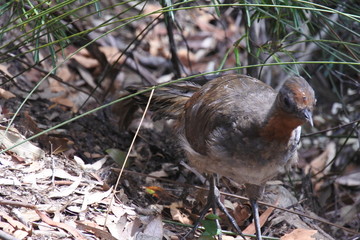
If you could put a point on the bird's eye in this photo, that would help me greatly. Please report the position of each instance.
(286, 102)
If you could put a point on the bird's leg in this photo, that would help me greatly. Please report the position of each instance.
(209, 204)
(214, 198)
(223, 208)
(254, 193)
(256, 217)
(231, 219)
(213, 201)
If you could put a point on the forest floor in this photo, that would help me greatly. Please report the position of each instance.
(67, 184)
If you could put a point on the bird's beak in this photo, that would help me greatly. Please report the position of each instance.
(308, 116)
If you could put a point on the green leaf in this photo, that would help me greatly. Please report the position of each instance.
(212, 216)
(210, 227)
(117, 155)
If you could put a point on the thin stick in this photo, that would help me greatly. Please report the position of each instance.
(128, 153)
(330, 129)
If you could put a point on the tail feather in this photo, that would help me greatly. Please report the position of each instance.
(167, 102)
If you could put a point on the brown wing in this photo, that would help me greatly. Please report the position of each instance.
(227, 108)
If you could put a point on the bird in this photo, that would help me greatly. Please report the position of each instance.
(238, 127)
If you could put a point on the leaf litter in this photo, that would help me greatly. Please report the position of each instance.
(69, 193)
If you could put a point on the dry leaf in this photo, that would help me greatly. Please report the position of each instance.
(4, 70)
(120, 210)
(58, 144)
(25, 150)
(63, 100)
(177, 215)
(9, 182)
(347, 214)
(300, 234)
(87, 76)
(351, 179)
(98, 196)
(154, 230)
(86, 62)
(263, 218)
(21, 234)
(6, 94)
(64, 226)
(96, 166)
(152, 7)
(6, 227)
(95, 229)
(66, 75)
(16, 158)
(112, 54)
(29, 215)
(123, 228)
(59, 173)
(322, 160)
(241, 213)
(63, 192)
(160, 173)
(227, 237)
(14, 223)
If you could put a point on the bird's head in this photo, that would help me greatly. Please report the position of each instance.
(297, 98)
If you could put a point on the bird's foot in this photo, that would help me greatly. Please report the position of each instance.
(203, 212)
(231, 219)
(256, 217)
(213, 201)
